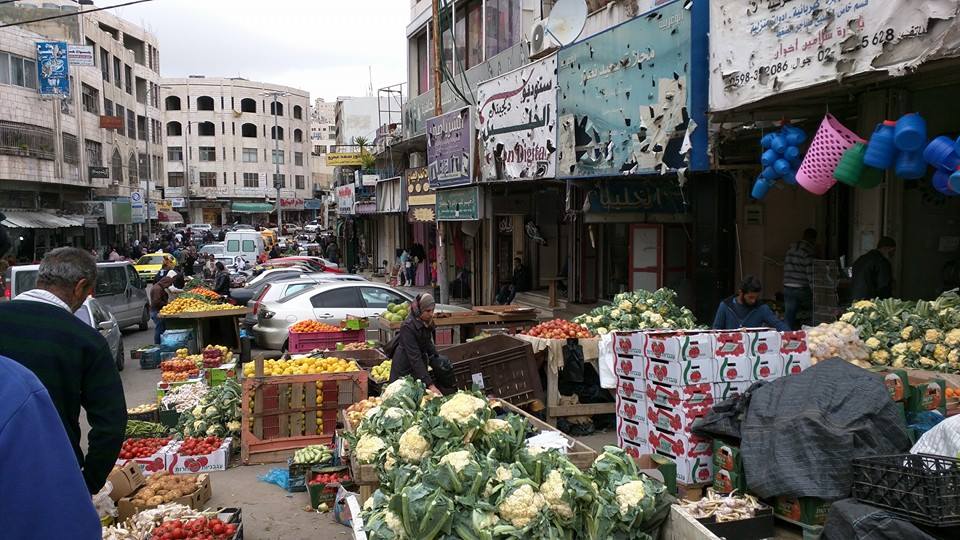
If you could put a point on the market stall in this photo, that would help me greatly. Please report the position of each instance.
(211, 320)
(455, 328)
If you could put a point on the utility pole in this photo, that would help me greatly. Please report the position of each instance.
(146, 195)
(276, 152)
(438, 110)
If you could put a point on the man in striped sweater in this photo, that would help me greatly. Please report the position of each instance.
(38, 329)
(798, 277)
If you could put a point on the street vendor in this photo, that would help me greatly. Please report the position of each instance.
(744, 309)
(413, 350)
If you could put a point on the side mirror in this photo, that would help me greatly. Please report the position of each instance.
(105, 326)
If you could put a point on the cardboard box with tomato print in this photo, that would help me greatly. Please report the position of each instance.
(680, 373)
(630, 367)
(794, 364)
(630, 344)
(726, 390)
(677, 419)
(679, 443)
(766, 368)
(631, 409)
(762, 342)
(793, 342)
(733, 368)
(691, 470)
(689, 395)
(628, 431)
(635, 448)
(211, 462)
(631, 388)
(151, 464)
(680, 346)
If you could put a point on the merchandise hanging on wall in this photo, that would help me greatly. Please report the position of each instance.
(780, 158)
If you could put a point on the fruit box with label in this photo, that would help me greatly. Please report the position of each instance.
(726, 456)
(631, 409)
(806, 510)
(125, 479)
(196, 500)
(766, 368)
(796, 363)
(691, 470)
(218, 375)
(793, 342)
(928, 396)
(725, 481)
(678, 419)
(678, 443)
(726, 390)
(631, 367)
(634, 432)
(631, 388)
(733, 368)
(629, 344)
(898, 384)
(690, 395)
(680, 373)
(633, 448)
(680, 346)
(152, 464)
(763, 341)
(214, 461)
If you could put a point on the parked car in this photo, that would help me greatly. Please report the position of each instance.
(150, 265)
(312, 226)
(329, 303)
(281, 288)
(119, 290)
(200, 227)
(255, 285)
(100, 319)
(319, 262)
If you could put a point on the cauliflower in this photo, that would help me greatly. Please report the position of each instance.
(900, 349)
(880, 357)
(197, 411)
(615, 314)
(395, 413)
(458, 460)
(953, 356)
(371, 411)
(521, 506)
(553, 489)
(916, 345)
(932, 336)
(393, 388)
(389, 460)
(534, 450)
(906, 333)
(940, 353)
(900, 362)
(503, 474)
(952, 338)
(495, 424)
(864, 304)
(413, 445)
(625, 306)
(927, 362)
(393, 522)
(873, 343)
(629, 495)
(211, 411)
(234, 425)
(602, 331)
(847, 317)
(368, 447)
(461, 407)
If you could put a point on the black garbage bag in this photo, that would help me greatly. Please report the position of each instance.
(800, 433)
(852, 520)
(723, 420)
(572, 371)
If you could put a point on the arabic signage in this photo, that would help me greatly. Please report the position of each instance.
(344, 159)
(312, 204)
(98, 172)
(137, 210)
(462, 204)
(365, 207)
(517, 123)
(421, 200)
(369, 179)
(450, 149)
(346, 197)
(53, 68)
(630, 98)
(111, 122)
(291, 203)
(650, 196)
(796, 44)
(80, 55)
(119, 212)
(164, 206)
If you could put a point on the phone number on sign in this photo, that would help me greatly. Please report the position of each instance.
(741, 78)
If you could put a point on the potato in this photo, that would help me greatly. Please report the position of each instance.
(155, 501)
(146, 493)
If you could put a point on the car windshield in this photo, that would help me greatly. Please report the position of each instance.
(150, 259)
(216, 249)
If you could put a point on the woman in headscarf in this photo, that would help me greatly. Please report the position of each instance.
(414, 350)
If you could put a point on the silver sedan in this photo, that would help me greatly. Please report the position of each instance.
(93, 313)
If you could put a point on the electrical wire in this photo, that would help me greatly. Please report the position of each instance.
(71, 14)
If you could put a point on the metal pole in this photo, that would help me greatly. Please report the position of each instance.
(438, 110)
(276, 176)
(186, 162)
(146, 196)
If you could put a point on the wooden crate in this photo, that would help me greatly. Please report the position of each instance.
(284, 410)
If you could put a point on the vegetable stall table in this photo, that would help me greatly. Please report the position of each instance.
(456, 328)
(210, 327)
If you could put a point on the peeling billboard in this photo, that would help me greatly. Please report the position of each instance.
(800, 43)
(516, 118)
(631, 98)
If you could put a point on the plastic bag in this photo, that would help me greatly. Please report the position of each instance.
(103, 503)
(838, 339)
(278, 476)
(608, 379)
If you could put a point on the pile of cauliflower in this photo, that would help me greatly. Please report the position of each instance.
(639, 310)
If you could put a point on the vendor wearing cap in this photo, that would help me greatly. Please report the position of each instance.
(414, 348)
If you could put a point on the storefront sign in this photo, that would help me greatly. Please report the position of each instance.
(80, 55)
(164, 206)
(650, 196)
(369, 179)
(797, 44)
(421, 200)
(344, 159)
(152, 211)
(517, 123)
(291, 203)
(632, 99)
(137, 210)
(98, 172)
(312, 204)
(450, 149)
(178, 202)
(111, 122)
(119, 212)
(53, 68)
(461, 204)
(365, 207)
(346, 196)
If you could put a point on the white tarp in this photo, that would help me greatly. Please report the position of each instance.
(759, 48)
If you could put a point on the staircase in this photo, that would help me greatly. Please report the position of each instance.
(541, 301)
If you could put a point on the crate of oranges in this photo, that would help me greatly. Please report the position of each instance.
(306, 336)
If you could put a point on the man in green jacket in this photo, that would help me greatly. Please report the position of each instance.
(39, 330)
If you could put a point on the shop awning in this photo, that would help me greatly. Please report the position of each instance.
(39, 220)
(169, 216)
(251, 208)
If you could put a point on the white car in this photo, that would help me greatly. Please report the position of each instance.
(98, 318)
(200, 227)
(329, 303)
(312, 226)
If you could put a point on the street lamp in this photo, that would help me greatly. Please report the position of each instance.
(276, 150)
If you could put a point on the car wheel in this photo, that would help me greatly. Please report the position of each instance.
(121, 359)
(144, 319)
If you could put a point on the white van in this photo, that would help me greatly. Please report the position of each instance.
(244, 243)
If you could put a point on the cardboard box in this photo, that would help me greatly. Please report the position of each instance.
(197, 500)
(726, 456)
(725, 481)
(631, 388)
(806, 510)
(630, 344)
(793, 343)
(928, 396)
(898, 384)
(628, 431)
(690, 395)
(674, 418)
(215, 461)
(631, 409)
(680, 373)
(125, 479)
(631, 367)
(218, 375)
(680, 346)
(691, 470)
(796, 363)
(635, 448)
(152, 464)
(730, 345)
(678, 443)
(733, 369)
(766, 368)
(726, 390)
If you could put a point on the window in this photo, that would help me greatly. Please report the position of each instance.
(174, 129)
(249, 246)
(278, 157)
(248, 105)
(249, 155)
(251, 179)
(172, 103)
(298, 112)
(94, 152)
(71, 149)
(293, 289)
(208, 153)
(133, 278)
(116, 166)
(128, 78)
(503, 25)
(208, 179)
(276, 132)
(91, 99)
(18, 71)
(280, 180)
(297, 135)
(117, 73)
(206, 129)
(110, 281)
(300, 181)
(319, 149)
(469, 30)
(122, 113)
(332, 136)
(343, 297)
(423, 64)
(107, 107)
(175, 179)
(248, 130)
(133, 170)
(233, 246)
(377, 298)
(298, 159)
(204, 103)
(131, 124)
(105, 64)
(174, 153)
(276, 108)
(145, 167)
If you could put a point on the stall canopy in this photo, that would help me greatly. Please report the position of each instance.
(39, 220)
(169, 216)
(251, 208)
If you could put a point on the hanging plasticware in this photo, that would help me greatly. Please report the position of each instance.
(780, 157)
(831, 141)
(941, 154)
(941, 182)
(910, 133)
(881, 152)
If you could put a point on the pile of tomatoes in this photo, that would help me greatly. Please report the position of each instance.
(178, 365)
(329, 478)
(559, 329)
(141, 448)
(194, 529)
(305, 327)
(199, 446)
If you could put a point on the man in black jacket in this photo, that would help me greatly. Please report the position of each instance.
(872, 272)
(415, 349)
(38, 329)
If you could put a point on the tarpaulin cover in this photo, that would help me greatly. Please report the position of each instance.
(800, 433)
(852, 520)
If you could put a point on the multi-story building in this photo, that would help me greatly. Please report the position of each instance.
(226, 140)
(54, 156)
(323, 138)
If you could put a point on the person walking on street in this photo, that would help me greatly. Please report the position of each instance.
(114, 256)
(518, 282)
(159, 297)
(38, 329)
(332, 253)
(414, 350)
(744, 310)
(873, 273)
(798, 277)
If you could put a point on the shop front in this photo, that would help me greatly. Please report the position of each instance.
(421, 203)
(458, 214)
(390, 221)
(250, 212)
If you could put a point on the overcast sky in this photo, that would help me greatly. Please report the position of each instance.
(322, 46)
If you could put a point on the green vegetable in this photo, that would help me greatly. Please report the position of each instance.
(639, 310)
(141, 429)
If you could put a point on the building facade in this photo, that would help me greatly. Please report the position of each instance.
(323, 140)
(225, 140)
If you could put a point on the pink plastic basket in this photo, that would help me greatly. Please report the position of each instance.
(831, 141)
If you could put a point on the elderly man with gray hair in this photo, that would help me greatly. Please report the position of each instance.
(38, 329)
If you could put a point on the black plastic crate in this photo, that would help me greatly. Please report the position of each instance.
(506, 365)
(924, 488)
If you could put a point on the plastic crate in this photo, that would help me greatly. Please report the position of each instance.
(301, 342)
(150, 416)
(924, 488)
(298, 476)
(169, 417)
(506, 365)
(150, 358)
(327, 493)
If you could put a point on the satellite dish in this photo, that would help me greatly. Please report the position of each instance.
(566, 20)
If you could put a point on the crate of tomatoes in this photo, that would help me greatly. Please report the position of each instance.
(149, 453)
(324, 483)
(226, 525)
(306, 336)
(198, 455)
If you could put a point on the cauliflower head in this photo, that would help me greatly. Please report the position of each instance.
(368, 447)
(629, 495)
(458, 460)
(552, 490)
(522, 506)
(461, 407)
(394, 523)
(413, 445)
(495, 424)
